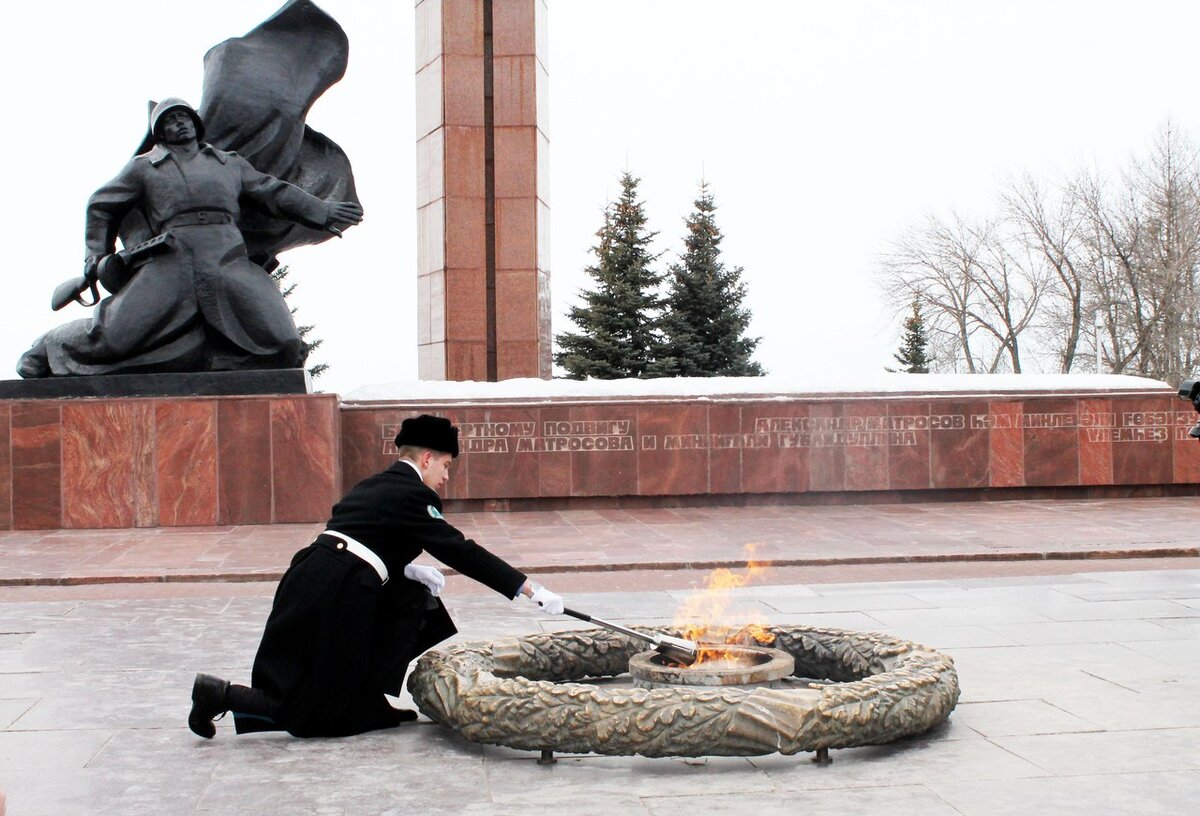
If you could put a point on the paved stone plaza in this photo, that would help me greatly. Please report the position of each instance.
(1079, 687)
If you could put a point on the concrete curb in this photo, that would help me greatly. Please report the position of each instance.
(637, 566)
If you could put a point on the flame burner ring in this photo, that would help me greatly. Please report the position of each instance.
(522, 693)
(744, 667)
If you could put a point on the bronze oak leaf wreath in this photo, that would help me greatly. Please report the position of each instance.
(524, 693)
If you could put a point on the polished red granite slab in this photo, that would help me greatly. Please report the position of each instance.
(1142, 449)
(36, 465)
(724, 456)
(776, 440)
(305, 453)
(1186, 450)
(958, 449)
(106, 465)
(680, 466)
(1051, 442)
(367, 443)
(244, 476)
(907, 441)
(827, 462)
(555, 476)
(867, 466)
(601, 442)
(168, 462)
(186, 459)
(497, 435)
(1006, 444)
(6, 506)
(1095, 441)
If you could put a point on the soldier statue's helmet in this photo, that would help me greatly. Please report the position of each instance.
(170, 104)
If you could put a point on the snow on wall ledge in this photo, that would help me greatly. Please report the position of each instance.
(718, 388)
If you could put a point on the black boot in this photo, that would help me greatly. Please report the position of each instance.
(35, 363)
(208, 703)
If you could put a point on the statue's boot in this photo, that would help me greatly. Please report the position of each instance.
(35, 363)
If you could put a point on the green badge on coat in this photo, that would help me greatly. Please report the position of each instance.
(433, 511)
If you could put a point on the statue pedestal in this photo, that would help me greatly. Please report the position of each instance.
(151, 461)
(192, 384)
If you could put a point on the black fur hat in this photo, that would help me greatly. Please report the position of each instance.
(425, 431)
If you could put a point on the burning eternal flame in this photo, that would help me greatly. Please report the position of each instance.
(847, 689)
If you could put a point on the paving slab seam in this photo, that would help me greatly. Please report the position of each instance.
(173, 578)
(649, 566)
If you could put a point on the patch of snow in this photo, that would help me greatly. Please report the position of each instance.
(730, 387)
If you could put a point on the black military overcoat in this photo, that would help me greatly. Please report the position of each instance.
(337, 638)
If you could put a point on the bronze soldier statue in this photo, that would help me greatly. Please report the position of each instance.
(200, 303)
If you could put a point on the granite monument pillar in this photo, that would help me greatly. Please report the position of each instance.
(482, 190)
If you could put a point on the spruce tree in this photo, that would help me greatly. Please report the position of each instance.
(279, 275)
(913, 353)
(617, 322)
(704, 323)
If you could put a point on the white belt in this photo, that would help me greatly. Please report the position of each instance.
(362, 552)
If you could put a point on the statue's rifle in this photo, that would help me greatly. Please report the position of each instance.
(110, 267)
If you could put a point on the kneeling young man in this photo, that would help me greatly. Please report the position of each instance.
(352, 610)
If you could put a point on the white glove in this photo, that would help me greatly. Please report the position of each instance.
(547, 600)
(431, 577)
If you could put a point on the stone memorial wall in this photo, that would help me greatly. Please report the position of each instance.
(204, 461)
(552, 449)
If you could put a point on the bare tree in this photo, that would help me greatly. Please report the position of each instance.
(931, 266)
(1143, 243)
(1010, 284)
(979, 292)
(1024, 284)
(1052, 229)
(1167, 186)
(1113, 231)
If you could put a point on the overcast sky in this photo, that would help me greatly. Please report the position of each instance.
(824, 129)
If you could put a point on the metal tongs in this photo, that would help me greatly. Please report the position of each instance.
(677, 649)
